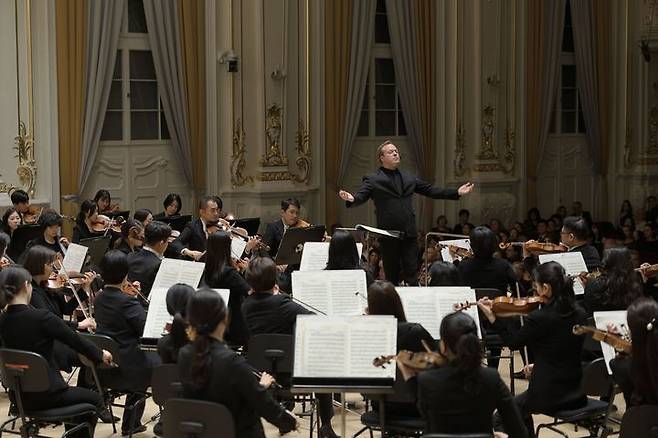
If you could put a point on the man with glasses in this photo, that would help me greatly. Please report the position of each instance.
(193, 239)
(574, 235)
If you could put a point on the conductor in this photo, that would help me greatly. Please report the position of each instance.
(391, 189)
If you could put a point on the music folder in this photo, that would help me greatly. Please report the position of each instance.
(292, 244)
(96, 248)
(177, 222)
(380, 232)
(21, 236)
(251, 224)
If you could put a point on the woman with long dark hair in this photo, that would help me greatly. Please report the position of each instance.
(172, 204)
(84, 221)
(211, 371)
(343, 254)
(168, 346)
(461, 396)
(11, 219)
(219, 273)
(132, 237)
(553, 384)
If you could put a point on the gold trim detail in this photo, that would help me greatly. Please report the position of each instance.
(283, 175)
(487, 149)
(273, 156)
(303, 160)
(508, 161)
(27, 168)
(238, 162)
(487, 167)
(460, 148)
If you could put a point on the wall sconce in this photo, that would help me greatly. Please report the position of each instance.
(493, 80)
(230, 58)
(278, 73)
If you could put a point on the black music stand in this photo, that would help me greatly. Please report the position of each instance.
(292, 244)
(251, 224)
(20, 238)
(177, 222)
(96, 248)
(358, 233)
(125, 214)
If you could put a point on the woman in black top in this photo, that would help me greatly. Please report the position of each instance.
(461, 396)
(103, 201)
(23, 327)
(87, 216)
(220, 274)
(211, 371)
(10, 221)
(169, 345)
(343, 254)
(172, 205)
(617, 287)
(132, 237)
(143, 215)
(51, 238)
(443, 274)
(556, 374)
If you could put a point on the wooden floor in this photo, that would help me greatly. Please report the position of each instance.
(352, 418)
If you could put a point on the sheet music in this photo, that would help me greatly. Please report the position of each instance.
(445, 252)
(378, 231)
(427, 306)
(75, 257)
(618, 319)
(316, 255)
(174, 271)
(237, 247)
(342, 346)
(158, 317)
(573, 264)
(342, 292)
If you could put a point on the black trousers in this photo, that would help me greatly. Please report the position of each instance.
(68, 396)
(400, 258)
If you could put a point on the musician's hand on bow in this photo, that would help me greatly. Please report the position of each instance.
(196, 255)
(346, 196)
(407, 372)
(266, 380)
(252, 243)
(465, 189)
(64, 241)
(643, 268)
(485, 304)
(527, 370)
(527, 252)
(107, 357)
(87, 324)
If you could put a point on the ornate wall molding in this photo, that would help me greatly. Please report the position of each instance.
(460, 149)
(652, 146)
(283, 175)
(238, 162)
(274, 155)
(508, 160)
(27, 168)
(488, 145)
(303, 160)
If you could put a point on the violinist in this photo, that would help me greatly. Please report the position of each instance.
(143, 215)
(21, 202)
(343, 254)
(289, 219)
(23, 327)
(461, 396)
(193, 239)
(103, 201)
(84, 222)
(574, 235)
(51, 238)
(172, 205)
(443, 274)
(4, 243)
(553, 384)
(132, 237)
(144, 263)
(122, 317)
(11, 219)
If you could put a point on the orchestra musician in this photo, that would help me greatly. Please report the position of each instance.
(21, 202)
(11, 219)
(121, 316)
(392, 191)
(289, 219)
(461, 396)
(143, 215)
(51, 238)
(132, 237)
(24, 327)
(343, 254)
(84, 222)
(170, 344)
(144, 263)
(103, 201)
(211, 371)
(172, 205)
(443, 274)
(193, 239)
(4, 244)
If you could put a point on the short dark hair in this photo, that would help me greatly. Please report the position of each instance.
(203, 202)
(142, 214)
(577, 226)
(88, 207)
(261, 274)
(383, 299)
(443, 274)
(19, 196)
(102, 194)
(114, 266)
(49, 218)
(170, 198)
(12, 281)
(464, 211)
(484, 242)
(36, 257)
(156, 232)
(286, 203)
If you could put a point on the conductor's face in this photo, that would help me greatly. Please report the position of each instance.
(390, 157)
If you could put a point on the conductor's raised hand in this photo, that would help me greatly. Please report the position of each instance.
(465, 189)
(346, 196)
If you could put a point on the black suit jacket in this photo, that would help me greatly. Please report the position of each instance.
(448, 408)
(393, 207)
(192, 237)
(143, 266)
(267, 313)
(590, 255)
(233, 384)
(273, 236)
(237, 333)
(480, 272)
(26, 328)
(557, 373)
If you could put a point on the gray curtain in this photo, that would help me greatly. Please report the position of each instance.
(584, 28)
(554, 25)
(363, 29)
(103, 27)
(164, 30)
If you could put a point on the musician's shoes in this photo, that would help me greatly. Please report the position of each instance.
(106, 416)
(327, 432)
(137, 429)
(158, 429)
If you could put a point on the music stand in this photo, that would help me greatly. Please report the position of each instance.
(20, 238)
(96, 248)
(292, 244)
(125, 214)
(358, 234)
(251, 224)
(177, 222)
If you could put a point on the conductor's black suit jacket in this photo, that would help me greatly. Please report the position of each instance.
(393, 205)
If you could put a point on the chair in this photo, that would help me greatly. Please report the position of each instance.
(24, 371)
(197, 419)
(458, 435)
(165, 384)
(640, 421)
(595, 414)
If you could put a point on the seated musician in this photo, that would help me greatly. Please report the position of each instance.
(51, 238)
(11, 219)
(122, 317)
(103, 201)
(84, 222)
(617, 287)
(4, 244)
(21, 202)
(132, 237)
(554, 384)
(193, 239)
(275, 230)
(172, 205)
(268, 311)
(169, 345)
(443, 274)
(144, 264)
(461, 396)
(23, 327)
(343, 254)
(211, 371)
(143, 215)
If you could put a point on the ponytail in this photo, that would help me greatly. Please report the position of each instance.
(12, 281)
(177, 297)
(459, 334)
(553, 274)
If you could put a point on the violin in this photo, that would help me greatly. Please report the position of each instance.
(31, 216)
(56, 282)
(537, 247)
(648, 271)
(586, 277)
(103, 224)
(133, 289)
(508, 306)
(224, 225)
(457, 251)
(619, 343)
(419, 361)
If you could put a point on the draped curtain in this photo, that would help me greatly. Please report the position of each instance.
(102, 39)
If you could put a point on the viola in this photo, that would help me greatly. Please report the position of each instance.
(508, 306)
(537, 247)
(423, 360)
(619, 343)
(648, 271)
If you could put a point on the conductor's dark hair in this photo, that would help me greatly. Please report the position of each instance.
(286, 203)
(577, 226)
(203, 202)
(178, 296)
(218, 256)
(102, 194)
(87, 208)
(553, 274)
(459, 334)
(12, 281)
(443, 274)
(484, 242)
(50, 218)
(642, 316)
(114, 266)
(383, 299)
(205, 310)
(170, 198)
(36, 258)
(156, 232)
(261, 274)
(4, 242)
(19, 196)
(142, 214)
(343, 253)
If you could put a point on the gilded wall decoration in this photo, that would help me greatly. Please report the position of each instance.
(274, 155)
(652, 147)
(283, 175)
(238, 162)
(460, 150)
(508, 161)
(303, 160)
(487, 148)
(27, 168)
